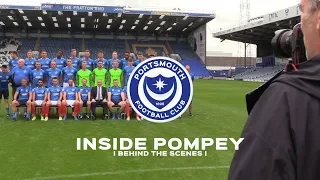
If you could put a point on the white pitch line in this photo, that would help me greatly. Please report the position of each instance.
(127, 172)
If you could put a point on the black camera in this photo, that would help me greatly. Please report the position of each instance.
(286, 43)
(289, 43)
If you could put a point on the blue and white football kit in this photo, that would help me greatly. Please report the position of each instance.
(71, 95)
(39, 95)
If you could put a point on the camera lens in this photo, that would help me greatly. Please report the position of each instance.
(281, 43)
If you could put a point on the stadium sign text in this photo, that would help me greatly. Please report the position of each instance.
(81, 8)
(84, 8)
(160, 146)
(273, 16)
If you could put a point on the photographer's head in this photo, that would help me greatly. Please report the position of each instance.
(310, 24)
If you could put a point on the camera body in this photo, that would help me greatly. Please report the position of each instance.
(289, 43)
(286, 43)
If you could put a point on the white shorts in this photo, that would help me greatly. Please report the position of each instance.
(66, 85)
(38, 102)
(54, 103)
(70, 103)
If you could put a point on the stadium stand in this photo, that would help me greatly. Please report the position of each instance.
(259, 31)
(185, 50)
(157, 48)
(159, 32)
(8, 45)
(52, 45)
(27, 44)
(107, 46)
(196, 67)
(258, 73)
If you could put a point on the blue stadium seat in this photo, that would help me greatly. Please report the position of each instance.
(52, 45)
(197, 68)
(107, 46)
(184, 49)
(27, 44)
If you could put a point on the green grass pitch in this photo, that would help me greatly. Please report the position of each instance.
(47, 150)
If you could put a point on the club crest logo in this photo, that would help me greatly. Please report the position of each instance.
(160, 89)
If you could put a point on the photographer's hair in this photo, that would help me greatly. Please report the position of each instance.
(314, 5)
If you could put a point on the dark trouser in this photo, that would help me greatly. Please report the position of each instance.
(14, 88)
(97, 103)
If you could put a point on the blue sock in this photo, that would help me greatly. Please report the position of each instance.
(7, 110)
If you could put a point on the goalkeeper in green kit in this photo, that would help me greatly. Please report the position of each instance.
(84, 73)
(100, 73)
(116, 73)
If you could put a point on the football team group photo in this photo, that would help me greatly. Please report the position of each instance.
(42, 86)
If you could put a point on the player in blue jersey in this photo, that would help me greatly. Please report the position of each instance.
(55, 95)
(44, 60)
(18, 73)
(61, 62)
(124, 61)
(39, 97)
(101, 58)
(128, 70)
(37, 74)
(75, 61)
(69, 72)
(5, 78)
(22, 96)
(114, 57)
(116, 97)
(70, 96)
(53, 72)
(90, 62)
(84, 96)
(14, 60)
(30, 61)
(124, 90)
(139, 60)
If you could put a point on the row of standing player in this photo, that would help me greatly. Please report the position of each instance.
(76, 62)
(76, 97)
(69, 72)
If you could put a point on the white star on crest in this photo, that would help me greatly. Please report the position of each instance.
(160, 84)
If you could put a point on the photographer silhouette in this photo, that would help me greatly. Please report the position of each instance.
(281, 135)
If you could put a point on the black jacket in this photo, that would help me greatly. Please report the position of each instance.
(94, 93)
(282, 133)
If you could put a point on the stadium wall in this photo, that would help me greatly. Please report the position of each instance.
(197, 41)
(228, 61)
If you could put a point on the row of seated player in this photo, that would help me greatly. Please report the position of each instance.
(70, 96)
(69, 72)
(76, 62)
